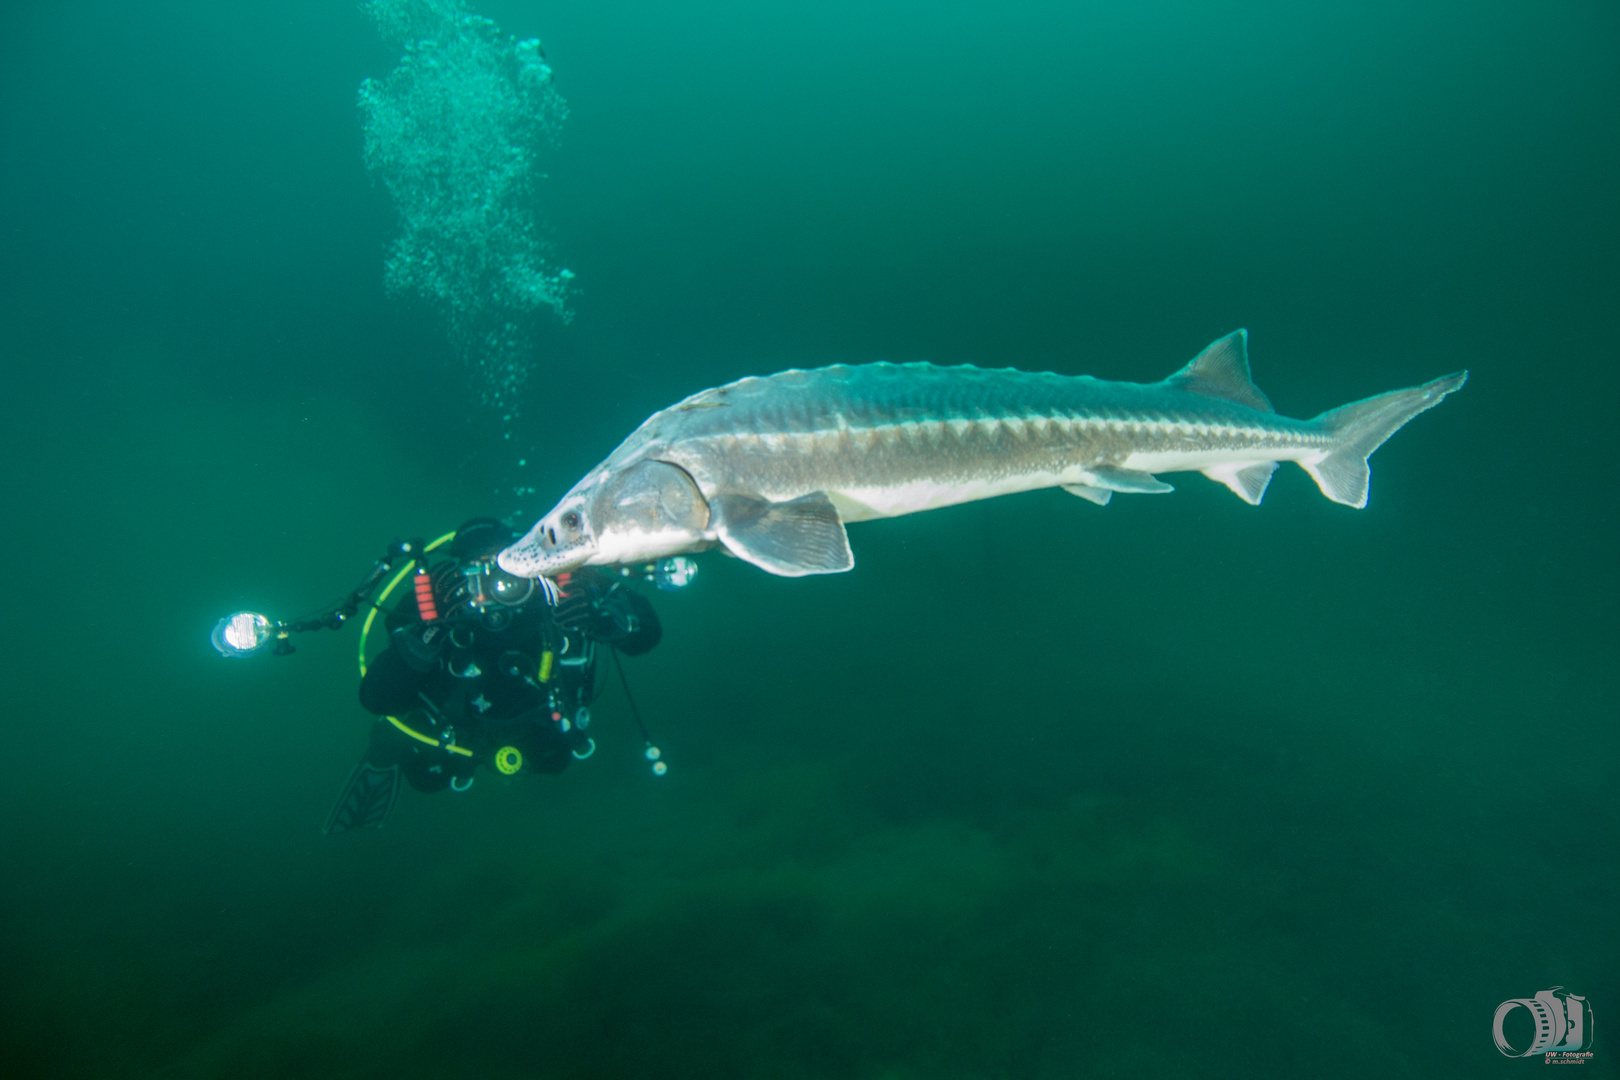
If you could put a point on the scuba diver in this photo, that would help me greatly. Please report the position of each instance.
(478, 673)
(481, 668)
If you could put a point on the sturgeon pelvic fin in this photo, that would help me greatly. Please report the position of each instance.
(1098, 495)
(792, 538)
(1361, 427)
(1128, 481)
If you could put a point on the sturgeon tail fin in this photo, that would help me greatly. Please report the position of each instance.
(1361, 427)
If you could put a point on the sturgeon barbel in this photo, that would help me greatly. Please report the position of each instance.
(772, 468)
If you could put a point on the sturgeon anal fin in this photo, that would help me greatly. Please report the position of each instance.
(793, 538)
(1222, 371)
(1100, 496)
(1129, 481)
(1248, 482)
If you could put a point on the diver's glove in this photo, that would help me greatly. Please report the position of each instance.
(607, 618)
(421, 645)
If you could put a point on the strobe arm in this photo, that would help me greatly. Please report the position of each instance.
(246, 633)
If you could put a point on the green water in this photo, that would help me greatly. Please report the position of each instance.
(1179, 787)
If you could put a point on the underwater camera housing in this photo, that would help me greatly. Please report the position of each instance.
(484, 591)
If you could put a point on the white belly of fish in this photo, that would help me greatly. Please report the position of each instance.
(1199, 460)
(867, 503)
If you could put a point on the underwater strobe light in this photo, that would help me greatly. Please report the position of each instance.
(670, 575)
(674, 573)
(244, 634)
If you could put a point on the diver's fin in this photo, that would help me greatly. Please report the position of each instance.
(1098, 495)
(1248, 482)
(1129, 481)
(366, 800)
(793, 538)
(1222, 371)
(1361, 427)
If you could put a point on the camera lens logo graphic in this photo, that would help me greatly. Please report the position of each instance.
(1563, 1022)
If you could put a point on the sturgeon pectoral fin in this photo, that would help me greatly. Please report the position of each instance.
(1129, 481)
(793, 538)
(1248, 482)
(1100, 496)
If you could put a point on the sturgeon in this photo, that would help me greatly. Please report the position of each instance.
(772, 468)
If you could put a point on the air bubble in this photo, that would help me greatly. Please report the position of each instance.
(454, 133)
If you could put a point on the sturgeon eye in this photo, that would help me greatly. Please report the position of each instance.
(571, 519)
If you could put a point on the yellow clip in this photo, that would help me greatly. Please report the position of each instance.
(509, 759)
(545, 665)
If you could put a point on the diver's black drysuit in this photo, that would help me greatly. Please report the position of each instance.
(513, 677)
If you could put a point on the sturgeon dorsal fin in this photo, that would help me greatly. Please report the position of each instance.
(1222, 371)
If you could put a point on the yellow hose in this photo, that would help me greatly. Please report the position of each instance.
(365, 630)
(376, 606)
(430, 740)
